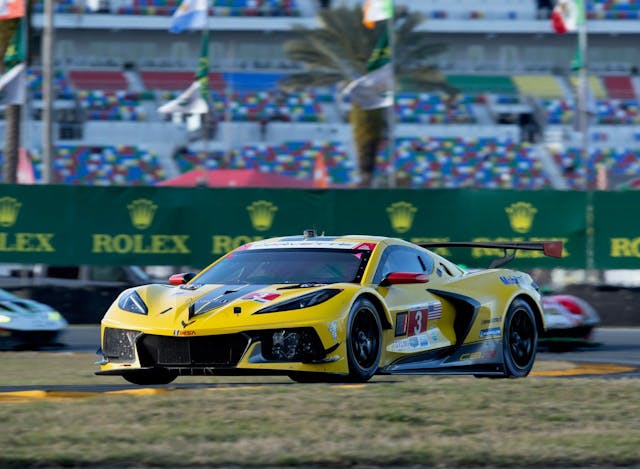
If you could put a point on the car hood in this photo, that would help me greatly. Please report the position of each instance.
(207, 306)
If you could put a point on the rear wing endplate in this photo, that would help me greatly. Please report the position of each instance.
(549, 248)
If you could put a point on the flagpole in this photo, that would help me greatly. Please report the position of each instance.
(47, 93)
(391, 111)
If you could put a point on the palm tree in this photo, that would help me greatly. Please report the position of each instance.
(12, 111)
(338, 52)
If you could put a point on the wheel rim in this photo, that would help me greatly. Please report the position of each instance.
(365, 338)
(521, 338)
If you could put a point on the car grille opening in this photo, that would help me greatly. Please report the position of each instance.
(119, 344)
(209, 351)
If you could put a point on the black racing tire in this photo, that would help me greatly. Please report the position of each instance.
(151, 377)
(364, 341)
(519, 339)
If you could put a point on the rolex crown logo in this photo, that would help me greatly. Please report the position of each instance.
(9, 208)
(261, 213)
(521, 216)
(401, 216)
(141, 212)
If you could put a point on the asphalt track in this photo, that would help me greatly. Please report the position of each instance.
(615, 354)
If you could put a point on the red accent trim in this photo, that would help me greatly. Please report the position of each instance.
(397, 278)
(177, 279)
(553, 248)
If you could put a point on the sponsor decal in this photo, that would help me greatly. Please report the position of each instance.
(333, 330)
(401, 216)
(328, 244)
(489, 332)
(512, 280)
(493, 320)
(478, 355)
(262, 297)
(178, 332)
(410, 344)
(420, 315)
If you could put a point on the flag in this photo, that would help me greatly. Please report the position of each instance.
(202, 73)
(25, 167)
(188, 102)
(195, 100)
(191, 14)
(320, 173)
(567, 15)
(12, 86)
(375, 89)
(376, 10)
(15, 50)
(11, 9)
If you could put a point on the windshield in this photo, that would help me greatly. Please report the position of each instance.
(268, 266)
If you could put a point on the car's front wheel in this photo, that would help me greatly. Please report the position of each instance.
(150, 377)
(364, 340)
(520, 338)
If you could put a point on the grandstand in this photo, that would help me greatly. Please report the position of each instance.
(511, 123)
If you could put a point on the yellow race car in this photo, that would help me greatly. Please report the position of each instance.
(327, 308)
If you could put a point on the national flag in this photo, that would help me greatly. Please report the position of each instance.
(188, 102)
(195, 100)
(376, 10)
(375, 89)
(11, 9)
(567, 15)
(25, 167)
(191, 14)
(12, 85)
(202, 73)
(15, 50)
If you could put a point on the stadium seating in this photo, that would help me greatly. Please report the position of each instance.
(434, 108)
(480, 84)
(619, 162)
(61, 85)
(612, 10)
(619, 87)
(217, 7)
(109, 165)
(119, 105)
(107, 80)
(607, 111)
(293, 158)
(436, 162)
(541, 86)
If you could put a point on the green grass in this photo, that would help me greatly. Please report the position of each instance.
(270, 421)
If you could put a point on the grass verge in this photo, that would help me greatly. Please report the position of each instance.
(391, 421)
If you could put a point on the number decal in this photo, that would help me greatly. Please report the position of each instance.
(417, 322)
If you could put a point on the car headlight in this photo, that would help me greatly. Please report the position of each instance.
(4, 318)
(304, 301)
(54, 316)
(131, 301)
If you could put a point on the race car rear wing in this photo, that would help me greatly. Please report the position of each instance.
(550, 248)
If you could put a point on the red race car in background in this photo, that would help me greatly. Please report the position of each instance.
(570, 321)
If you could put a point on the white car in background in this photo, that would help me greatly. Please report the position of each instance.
(570, 321)
(28, 324)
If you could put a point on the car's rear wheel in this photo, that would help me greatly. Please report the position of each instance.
(149, 377)
(364, 340)
(520, 338)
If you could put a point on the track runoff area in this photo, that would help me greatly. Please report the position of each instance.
(614, 354)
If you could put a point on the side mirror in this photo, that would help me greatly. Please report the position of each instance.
(399, 278)
(181, 279)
